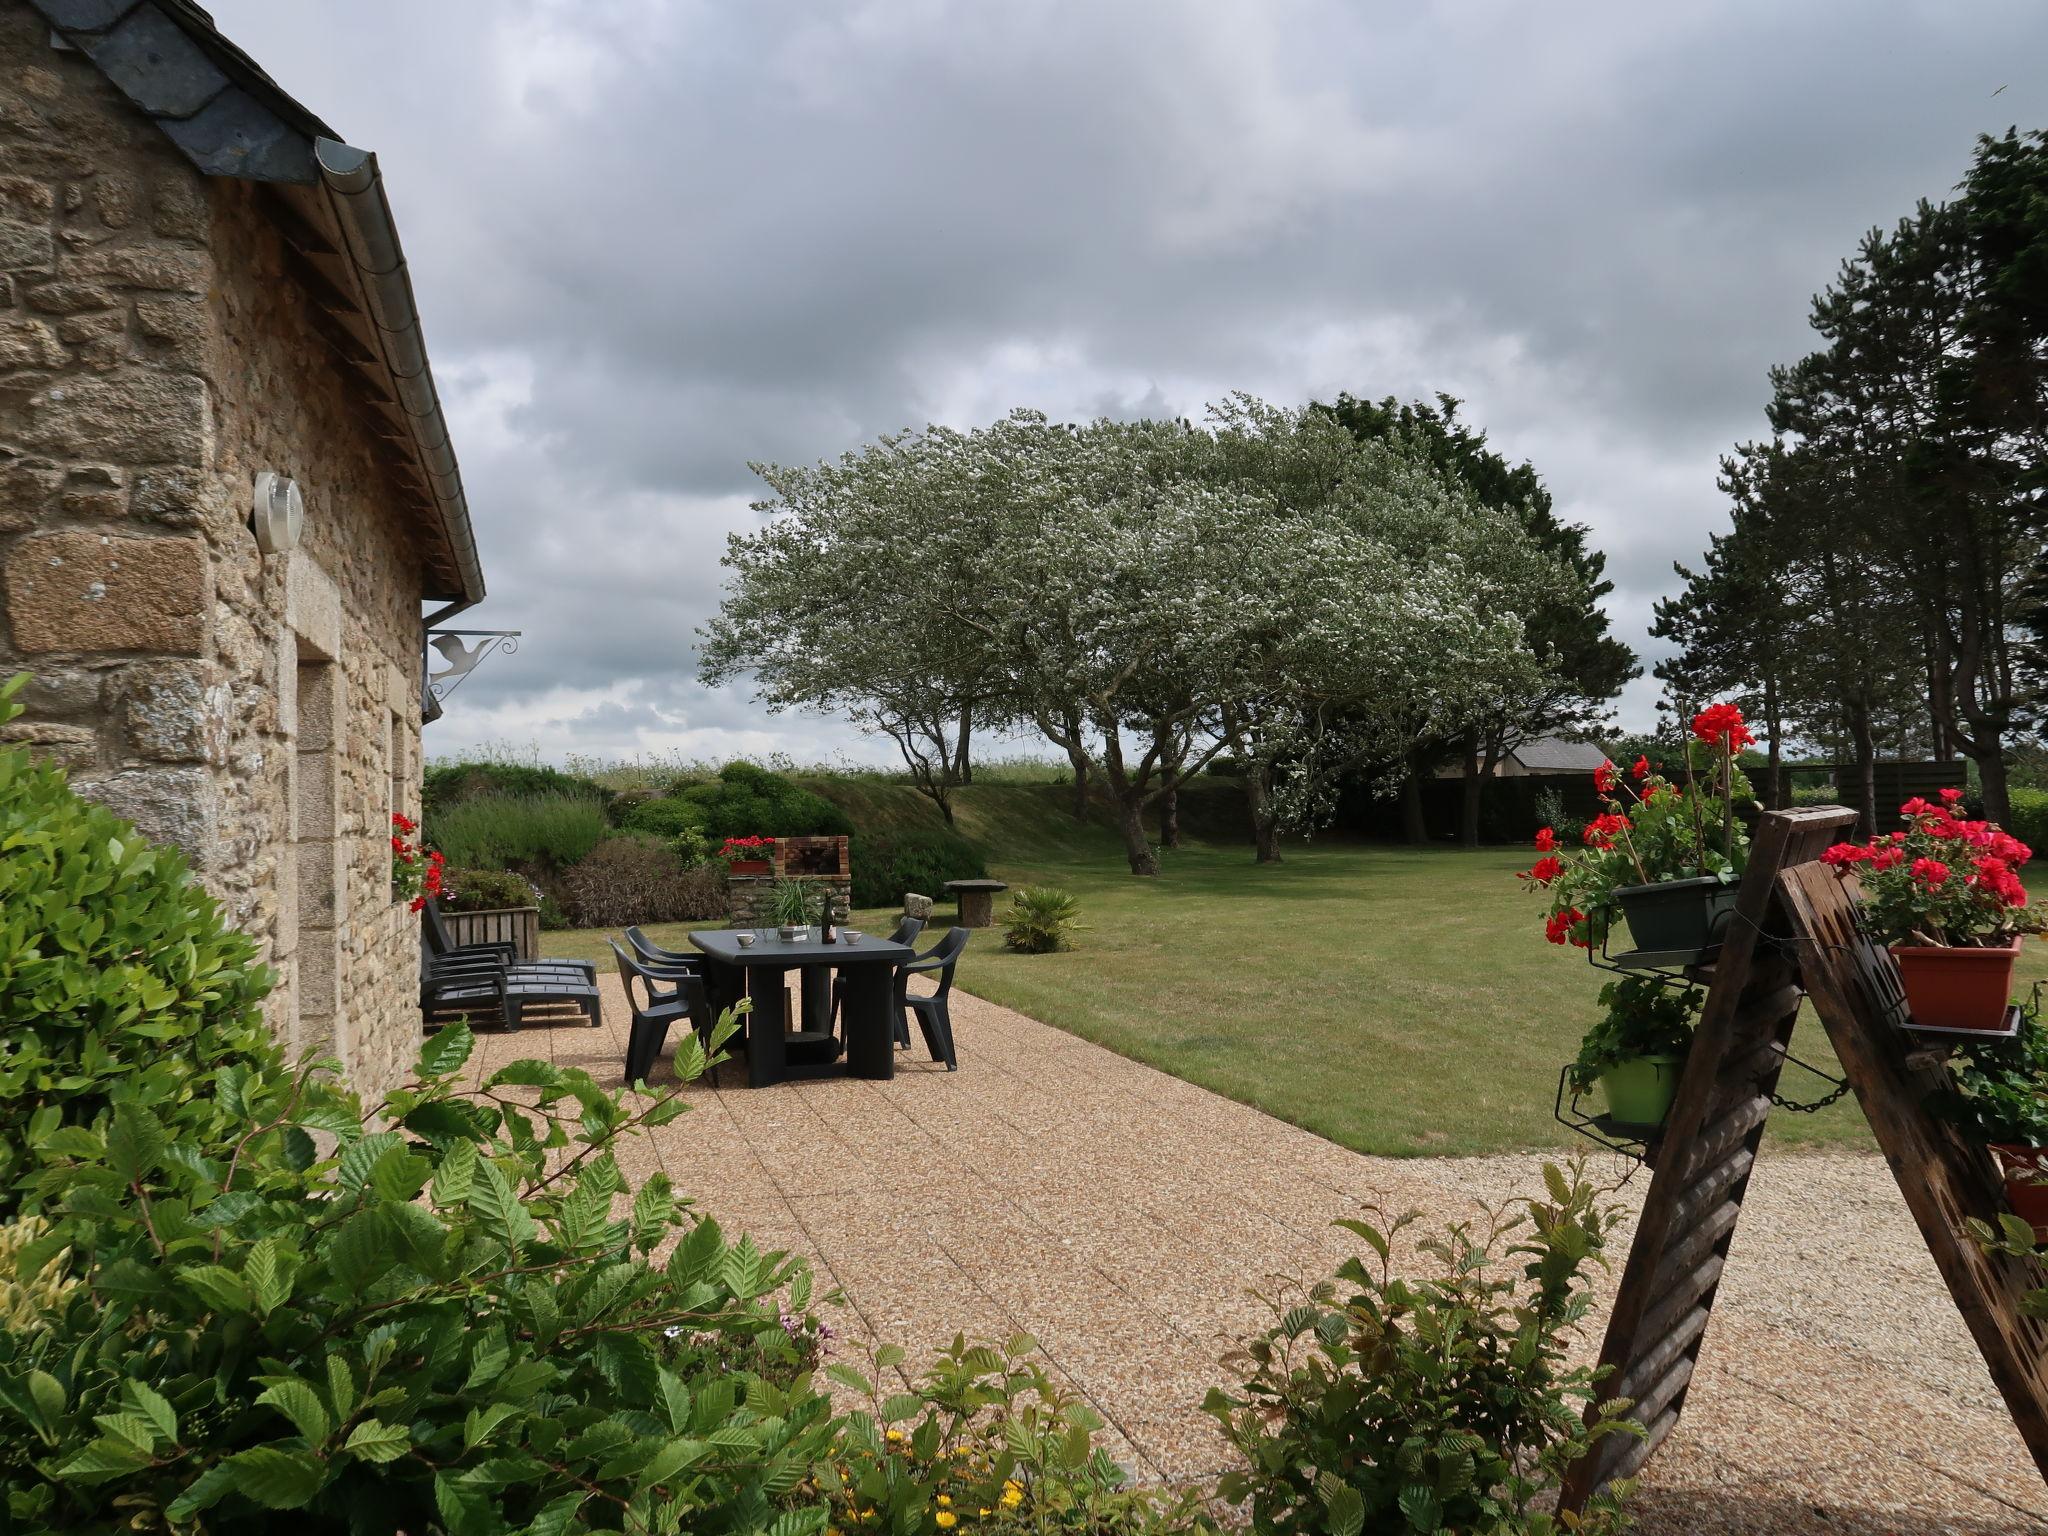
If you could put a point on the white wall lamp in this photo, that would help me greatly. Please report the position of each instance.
(279, 515)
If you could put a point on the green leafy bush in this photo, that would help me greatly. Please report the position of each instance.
(985, 1440)
(445, 784)
(485, 890)
(545, 832)
(117, 976)
(1041, 920)
(886, 864)
(633, 878)
(748, 800)
(1379, 1403)
(677, 822)
(2000, 1091)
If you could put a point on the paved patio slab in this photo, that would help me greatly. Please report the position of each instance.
(1121, 1216)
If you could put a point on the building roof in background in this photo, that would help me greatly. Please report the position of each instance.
(1552, 754)
(229, 118)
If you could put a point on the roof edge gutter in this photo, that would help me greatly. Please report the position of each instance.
(356, 190)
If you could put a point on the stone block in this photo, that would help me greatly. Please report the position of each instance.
(74, 746)
(136, 416)
(178, 205)
(177, 712)
(57, 692)
(172, 270)
(315, 713)
(29, 343)
(27, 488)
(26, 247)
(320, 898)
(167, 805)
(177, 322)
(25, 195)
(175, 497)
(95, 491)
(312, 607)
(92, 592)
(917, 906)
(68, 298)
(115, 194)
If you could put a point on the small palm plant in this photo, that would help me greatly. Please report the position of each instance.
(789, 903)
(1041, 919)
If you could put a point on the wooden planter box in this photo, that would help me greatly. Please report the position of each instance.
(517, 926)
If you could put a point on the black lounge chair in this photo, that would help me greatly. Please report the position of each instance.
(434, 933)
(513, 995)
(934, 1017)
(671, 994)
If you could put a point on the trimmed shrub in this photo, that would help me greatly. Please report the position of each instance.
(633, 878)
(118, 980)
(485, 890)
(1041, 920)
(746, 800)
(446, 784)
(886, 864)
(679, 823)
(546, 832)
(2030, 819)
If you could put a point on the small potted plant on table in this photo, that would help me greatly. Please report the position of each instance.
(1637, 1050)
(1661, 856)
(789, 903)
(1944, 895)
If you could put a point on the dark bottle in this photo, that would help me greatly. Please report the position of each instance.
(825, 933)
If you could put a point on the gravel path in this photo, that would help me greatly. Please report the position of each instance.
(1120, 1216)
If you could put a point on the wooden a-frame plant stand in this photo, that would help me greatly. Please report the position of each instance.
(1796, 933)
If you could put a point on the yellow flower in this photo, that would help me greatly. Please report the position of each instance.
(944, 1502)
(947, 1519)
(983, 1511)
(894, 1436)
(1013, 1495)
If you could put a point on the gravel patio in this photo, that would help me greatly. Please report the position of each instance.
(1120, 1216)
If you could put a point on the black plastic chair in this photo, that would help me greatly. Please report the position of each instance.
(906, 929)
(933, 1015)
(670, 995)
(653, 954)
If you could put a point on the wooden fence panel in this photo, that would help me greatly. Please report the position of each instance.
(517, 926)
(1703, 1161)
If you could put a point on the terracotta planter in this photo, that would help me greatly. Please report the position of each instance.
(1957, 988)
(750, 867)
(1678, 916)
(1639, 1092)
(2023, 1167)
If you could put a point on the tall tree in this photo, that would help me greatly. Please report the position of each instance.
(1562, 618)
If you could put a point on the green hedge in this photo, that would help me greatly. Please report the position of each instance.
(544, 831)
(446, 784)
(749, 801)
(885, 865)
(2030, 819)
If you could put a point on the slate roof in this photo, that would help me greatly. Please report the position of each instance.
(1551, 754)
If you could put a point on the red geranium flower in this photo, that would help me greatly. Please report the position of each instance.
(1604, 777)
(1601, 829)
(1885, 857)
(1642, 768)
(1951, 795)
(1546, 840)
(1559, 927)
(1547, 870)
(1721, 724)
(1929, 871)
(1842, 855)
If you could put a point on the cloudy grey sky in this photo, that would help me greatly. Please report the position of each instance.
(655, 240)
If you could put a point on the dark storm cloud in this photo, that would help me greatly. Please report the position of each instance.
(654, 241)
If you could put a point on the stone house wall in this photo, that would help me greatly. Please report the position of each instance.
(262, 713)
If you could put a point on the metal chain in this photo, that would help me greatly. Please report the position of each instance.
(1809, 1109)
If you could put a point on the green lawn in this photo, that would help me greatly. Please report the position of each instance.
(1395, 1000)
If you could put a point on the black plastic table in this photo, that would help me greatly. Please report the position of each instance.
(867, 972)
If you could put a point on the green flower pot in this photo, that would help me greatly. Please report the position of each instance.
(1678, 916)
(1639, 1092)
